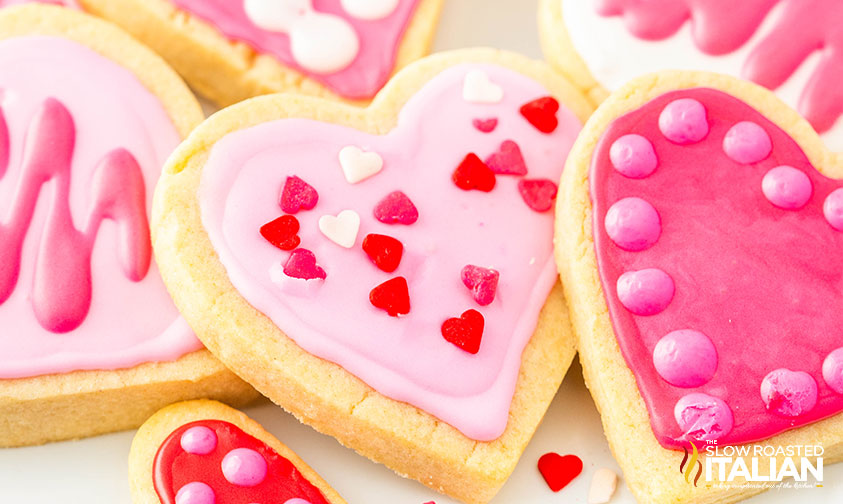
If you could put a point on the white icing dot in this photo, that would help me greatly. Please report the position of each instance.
(370, 9)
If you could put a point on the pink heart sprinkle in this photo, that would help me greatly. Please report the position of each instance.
(297, 194)
(538, 193)
(396, 208)
(486, 125)
(483, 283)
(507, 160)
(302, 264)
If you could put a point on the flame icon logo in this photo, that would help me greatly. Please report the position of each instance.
(686, 467)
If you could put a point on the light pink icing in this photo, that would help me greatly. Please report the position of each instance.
(722, 26)
(755, 279)
(86, 142)
(375, 61)
(405, 358)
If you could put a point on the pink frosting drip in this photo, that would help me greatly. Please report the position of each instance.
(757, 280)
(84, 140)
(379, 41)
(405, 358)
(722, 26)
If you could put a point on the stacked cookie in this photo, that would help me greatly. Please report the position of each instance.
(378, 247)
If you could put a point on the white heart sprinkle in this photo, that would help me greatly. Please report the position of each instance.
(478, 88)
(369, 9)
(603, 485)
(358, 165)
(341, 229)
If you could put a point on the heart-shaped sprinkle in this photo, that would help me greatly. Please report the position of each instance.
(282, 232)
(302, 264)
(541, 113)
(558, 470)
(358, 165)
(483, 283)
(384, 251)
(466, 331)
(396, 208)
(507, 160)
(296, 195)
(472, 173)
(789, 393)
(341, 229)
(392, 296)
(478, 88)
(538, 194)
(603, 485)
(486, 125)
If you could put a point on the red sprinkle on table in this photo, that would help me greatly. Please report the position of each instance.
(559, 470)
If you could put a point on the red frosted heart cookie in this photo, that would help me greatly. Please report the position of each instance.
(203, 452)
(712, 227)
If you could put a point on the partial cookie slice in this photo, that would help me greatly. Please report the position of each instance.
(91, 342)
(418, 318)
(693, 228)
(203, 452)
(230, 50)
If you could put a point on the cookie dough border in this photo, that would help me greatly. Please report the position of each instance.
(318, 392)
(652, 472)
(228, 71)
(85, 403)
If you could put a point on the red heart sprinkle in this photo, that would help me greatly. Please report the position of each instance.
(507, 160)
(483, 283)
(542, 113)
(282, 232)
(396, 208)
(302, 264)
(486, 125)
(538, 194)
(392, 296)
(559, 470)
(384, 251)
(466, 331)
(472, 173)
(297, 194)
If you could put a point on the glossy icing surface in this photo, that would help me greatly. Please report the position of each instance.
(378, 39)
(738, 353)
(765, 41)
(82, 145)
(405, 358)
(213, 461)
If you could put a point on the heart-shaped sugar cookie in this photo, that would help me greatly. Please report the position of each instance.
(392, 311)
(714, 318)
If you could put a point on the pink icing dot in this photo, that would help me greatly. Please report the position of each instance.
(297, 501)
(645, 292)
(703, 417)
(833, 209)
(244, 467)
(199, 440)
(633, 224)
(195, 493)
(789, 393)
(787, 188)
(684, 121)
(685, 358)
(633, 156)
(746, 142)
(833, 370)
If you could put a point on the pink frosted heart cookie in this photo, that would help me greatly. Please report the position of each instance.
(792, 47)
(204, 452)
(437, 285)
(88, 328)
(714, 302)
(231, 50)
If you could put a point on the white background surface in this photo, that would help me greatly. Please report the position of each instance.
(94, 471)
